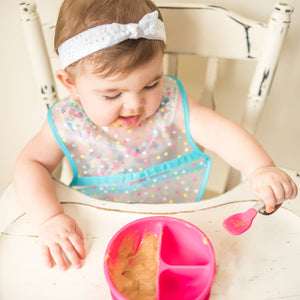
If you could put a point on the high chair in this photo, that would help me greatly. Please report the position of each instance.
(192, 29)
(215, 33)
(260, 264)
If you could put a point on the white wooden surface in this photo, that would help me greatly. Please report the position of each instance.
(214, 32)
(37, 50)
(260, 264)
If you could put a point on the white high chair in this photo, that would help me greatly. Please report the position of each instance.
(244, 270)
(192, 29)
(216, 33)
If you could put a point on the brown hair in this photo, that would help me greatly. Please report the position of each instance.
(76, 16)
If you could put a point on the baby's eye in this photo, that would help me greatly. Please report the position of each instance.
(112, 97)
(149, 87)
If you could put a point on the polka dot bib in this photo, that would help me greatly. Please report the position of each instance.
(154, 162)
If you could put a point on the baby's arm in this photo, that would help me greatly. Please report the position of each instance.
(239, 148)
(35, 190)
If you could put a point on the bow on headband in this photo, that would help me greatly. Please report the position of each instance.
(104, 36)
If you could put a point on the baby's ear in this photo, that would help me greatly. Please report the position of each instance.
(65, 78)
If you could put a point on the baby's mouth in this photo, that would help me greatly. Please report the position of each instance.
(128, 121)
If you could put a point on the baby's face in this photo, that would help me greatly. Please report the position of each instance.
(122, 101)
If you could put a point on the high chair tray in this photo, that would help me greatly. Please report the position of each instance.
(259, 264)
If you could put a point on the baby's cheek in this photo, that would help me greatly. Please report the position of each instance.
(103, 118)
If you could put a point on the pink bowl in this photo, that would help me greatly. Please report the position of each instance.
(186, 266)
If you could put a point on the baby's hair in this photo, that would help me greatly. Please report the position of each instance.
(76, 16)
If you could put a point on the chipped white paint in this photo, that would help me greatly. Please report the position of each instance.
(266, 66)
(37, 50)
(210, 31)
(217, 33)
(213, 31)
(260, 264)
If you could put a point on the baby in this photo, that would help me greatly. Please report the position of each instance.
(128, 131)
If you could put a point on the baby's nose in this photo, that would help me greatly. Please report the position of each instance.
(134, 102)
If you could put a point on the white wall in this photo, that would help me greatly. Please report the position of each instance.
(278, 131)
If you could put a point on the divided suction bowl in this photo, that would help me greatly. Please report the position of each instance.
(186, 257)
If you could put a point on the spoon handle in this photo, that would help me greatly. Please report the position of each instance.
(261, 208)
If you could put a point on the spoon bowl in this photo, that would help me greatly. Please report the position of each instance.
(239, 223)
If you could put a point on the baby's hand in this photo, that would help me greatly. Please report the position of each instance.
(59, 235)
(273, 186)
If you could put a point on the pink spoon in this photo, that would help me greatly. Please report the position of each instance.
(241, 222)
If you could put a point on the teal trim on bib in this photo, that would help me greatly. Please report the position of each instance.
(189, 136)
(146, 181)
(135, 176)
(61, 144)
(186, 114)
(190, 160)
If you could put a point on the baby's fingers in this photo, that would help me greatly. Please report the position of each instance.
(290, 189)
(56, 252)
(267, 195)
(78, 244)
(279, 192)
(71, 253)
(294, 190)
(46, 256)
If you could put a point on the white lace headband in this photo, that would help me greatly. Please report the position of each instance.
(104, 36)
